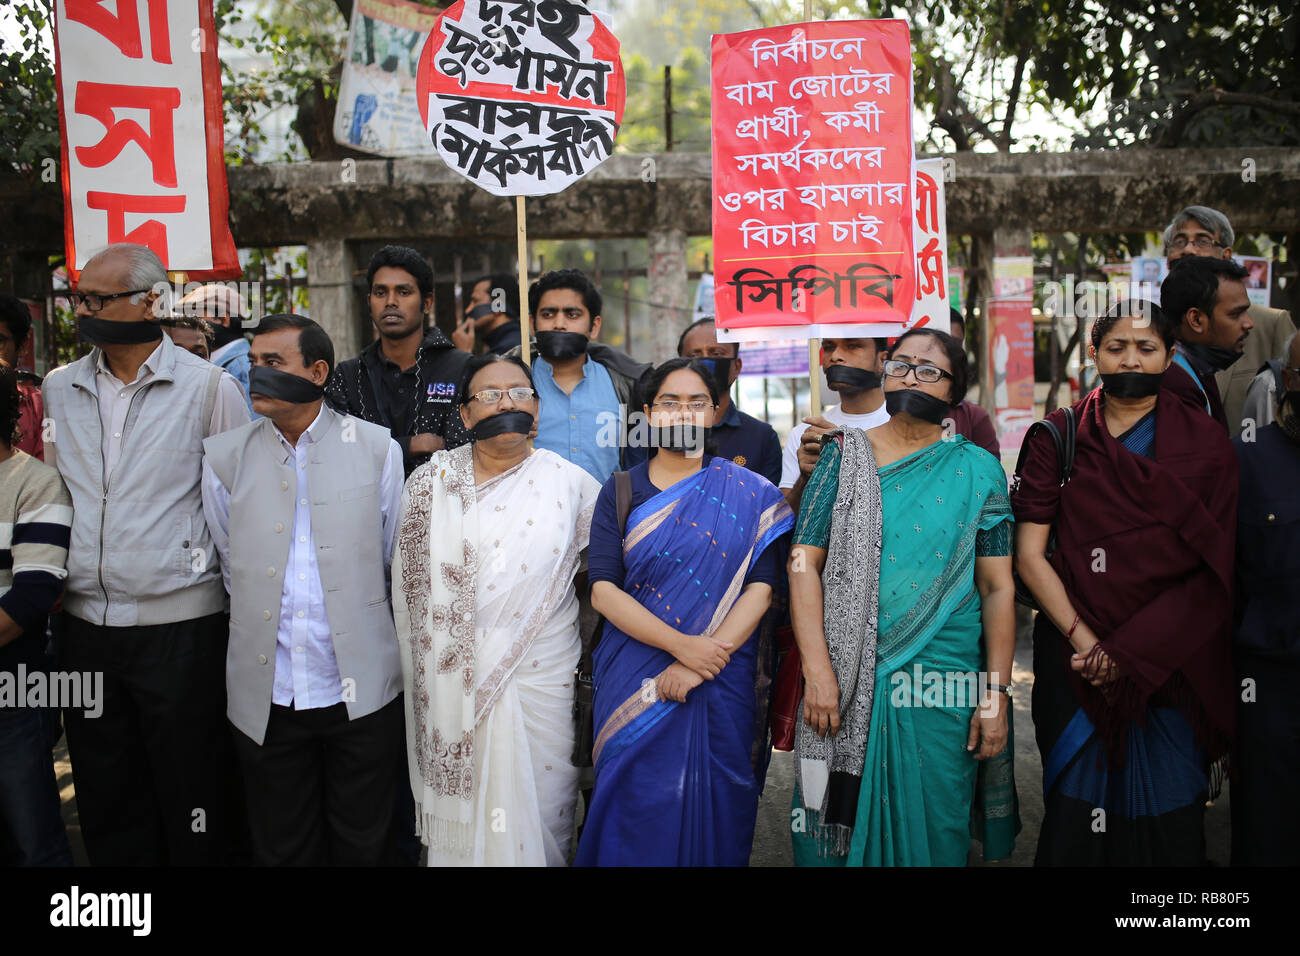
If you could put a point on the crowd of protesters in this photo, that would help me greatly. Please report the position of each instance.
(528, 612)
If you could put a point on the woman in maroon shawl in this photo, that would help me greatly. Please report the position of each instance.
(1133, 688)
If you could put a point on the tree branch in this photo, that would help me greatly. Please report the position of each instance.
(1013, 97)
(1173, 133)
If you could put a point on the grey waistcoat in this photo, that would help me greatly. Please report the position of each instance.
(140, 552)
(344, 469)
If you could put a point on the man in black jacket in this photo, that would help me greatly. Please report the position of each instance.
(407, 379)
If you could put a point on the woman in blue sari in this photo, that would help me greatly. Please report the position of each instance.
(901, 561)
(682, 592)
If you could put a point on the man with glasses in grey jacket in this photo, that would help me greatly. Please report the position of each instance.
(144, 603)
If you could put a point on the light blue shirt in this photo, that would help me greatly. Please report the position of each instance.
(233, 357)
(1186, 365)
(582, 427)
(306, 670)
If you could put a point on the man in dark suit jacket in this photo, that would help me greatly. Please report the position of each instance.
(1201, 231)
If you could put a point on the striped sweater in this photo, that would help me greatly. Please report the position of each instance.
(35, 525)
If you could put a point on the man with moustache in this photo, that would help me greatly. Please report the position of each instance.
(1207, 298)
(584, 388)
(406, 379)
(304, 505)
(1266, 642)
(491, 316)
(1202, 231)
(143, 602)
(852, 368)
(746, 440)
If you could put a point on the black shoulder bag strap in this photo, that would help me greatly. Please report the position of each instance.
(1064, 443)
(584, 681)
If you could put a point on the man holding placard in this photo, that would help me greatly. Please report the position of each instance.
(852, 368)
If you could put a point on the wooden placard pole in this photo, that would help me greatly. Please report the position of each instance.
(521, 228)
(814, 377)
(178, 278)
(814, 345)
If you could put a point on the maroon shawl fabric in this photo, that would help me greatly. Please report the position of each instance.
(973, 423)
(1145, 550)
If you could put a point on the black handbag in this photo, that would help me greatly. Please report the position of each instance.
(584, 688)
(1065, 460)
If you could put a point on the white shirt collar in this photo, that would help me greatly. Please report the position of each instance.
(148, 367)
(312, 433)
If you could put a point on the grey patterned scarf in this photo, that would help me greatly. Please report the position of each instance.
(829, 769)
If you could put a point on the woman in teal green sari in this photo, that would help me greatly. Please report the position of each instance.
(902, 561)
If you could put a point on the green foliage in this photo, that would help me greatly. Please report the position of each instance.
(63, 324)
(278, 263)
(644, 127)
(29, 119)
(1215, 73)
(1123, 73)
(305, 41)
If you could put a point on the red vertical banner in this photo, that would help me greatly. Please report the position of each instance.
(1011, 348)
(813, 180)
(142, 134)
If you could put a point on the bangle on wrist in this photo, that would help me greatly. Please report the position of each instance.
(1070, 633)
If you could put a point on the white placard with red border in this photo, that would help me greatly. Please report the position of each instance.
(930, 241)
(142, 133)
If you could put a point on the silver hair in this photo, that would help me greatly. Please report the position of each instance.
(142, 269)
(1211, 219)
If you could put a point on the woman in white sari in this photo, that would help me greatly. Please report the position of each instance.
(487, 620)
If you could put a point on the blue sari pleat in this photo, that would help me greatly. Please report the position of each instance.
(674, 783)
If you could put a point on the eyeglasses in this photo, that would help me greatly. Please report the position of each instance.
(928, 374)
(491, 396)
(698, 405)
(1200, 242)
(95, 300)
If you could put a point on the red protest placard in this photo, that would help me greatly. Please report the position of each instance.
(812, 180)
(522, 97)
(141, 130)
(1011, 348)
